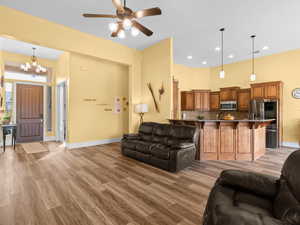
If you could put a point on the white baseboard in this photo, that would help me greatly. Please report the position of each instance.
(50, 138)
(291, 144)
(92, 143)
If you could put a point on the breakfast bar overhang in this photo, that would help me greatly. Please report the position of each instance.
(229, 139)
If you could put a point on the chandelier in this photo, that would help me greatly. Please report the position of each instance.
(33, 66)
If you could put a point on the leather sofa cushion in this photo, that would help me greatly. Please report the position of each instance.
(182, 145)
(290, 173)
(132, 136)
(146, 130)
(143, 147)
(183, 132)
(176, 141)
(129, 144)
(284, 200)
(161, 133)
(255, 183)
(292, 216)
(161, 151)
(234, 216)
(228, 215)
(253, 203)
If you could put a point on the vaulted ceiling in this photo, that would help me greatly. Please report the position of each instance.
(193, 24)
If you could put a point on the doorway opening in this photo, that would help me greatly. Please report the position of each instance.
(29, 89)
(61, 107)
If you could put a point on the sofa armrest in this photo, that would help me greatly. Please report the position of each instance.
(183, 145)
(249, 181)
(131, 136)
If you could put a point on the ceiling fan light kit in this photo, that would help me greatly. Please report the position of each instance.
(127, 20)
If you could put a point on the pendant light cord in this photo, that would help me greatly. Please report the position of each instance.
(253, 39)
(222, 46)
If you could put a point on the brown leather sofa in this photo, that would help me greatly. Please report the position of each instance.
(246, 198)
(169, 147)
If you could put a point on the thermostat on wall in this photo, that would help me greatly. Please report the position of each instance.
(296, 93)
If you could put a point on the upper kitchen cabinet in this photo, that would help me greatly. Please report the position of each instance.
(214, 101)
(229, 94)
(187, 100)
(195, 100)
(201, 100)
(257, 91)
(268, 90)
(243, 99)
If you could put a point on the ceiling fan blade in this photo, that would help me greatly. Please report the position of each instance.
(118, 5)
(115, 34)
(147, 12)
(142, 28)
(99, 15)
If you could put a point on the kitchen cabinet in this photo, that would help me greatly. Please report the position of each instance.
(187, 100)
(243, 99)
(195, 100)
(228, 94)
(272, 91)
(257, 91)
(214, 101)
(201, 100)
(268, 90)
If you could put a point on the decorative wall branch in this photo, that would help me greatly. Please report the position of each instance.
(153, 97)
(161, 91)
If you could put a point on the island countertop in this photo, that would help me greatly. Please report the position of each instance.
(216, 120)
(239, 139)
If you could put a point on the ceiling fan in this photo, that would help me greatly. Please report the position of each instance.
(127, 19)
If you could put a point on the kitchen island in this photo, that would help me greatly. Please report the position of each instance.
(229, 139)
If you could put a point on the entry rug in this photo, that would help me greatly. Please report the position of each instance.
(34, 147)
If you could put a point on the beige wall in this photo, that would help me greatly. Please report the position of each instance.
(92, 78)
(191, 78)
(284, 67)
(1, 74)
(35, 30)
(157, 67)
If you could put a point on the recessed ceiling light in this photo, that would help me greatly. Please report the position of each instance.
(190, 57)
(265, 48)
(204, 62)
(217, 49)
(231, 56)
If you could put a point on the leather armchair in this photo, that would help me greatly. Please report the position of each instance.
(246, 198)
(169, 147)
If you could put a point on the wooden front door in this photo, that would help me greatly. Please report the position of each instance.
(29, 113)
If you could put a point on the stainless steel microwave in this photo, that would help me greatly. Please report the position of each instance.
(228, 105)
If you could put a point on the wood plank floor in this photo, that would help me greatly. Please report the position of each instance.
(97, 185)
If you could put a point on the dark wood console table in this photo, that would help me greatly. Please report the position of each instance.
(9, 129)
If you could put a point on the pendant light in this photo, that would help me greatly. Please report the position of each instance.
(222, 72)
(253, 75)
